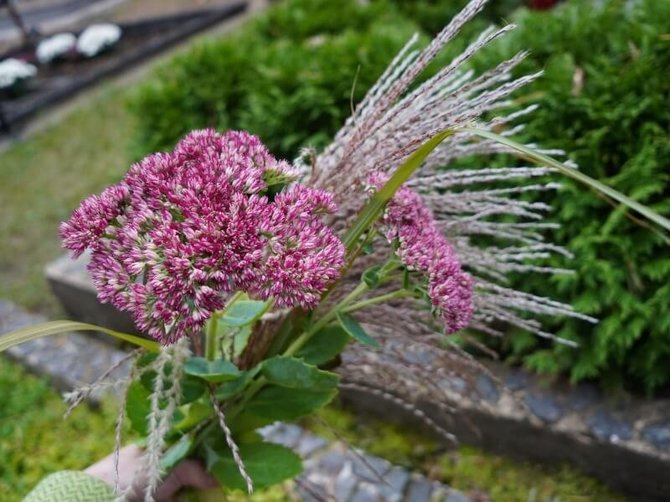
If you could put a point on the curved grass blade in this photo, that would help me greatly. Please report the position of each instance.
(374, 208)
(56, 327)
(539, 158)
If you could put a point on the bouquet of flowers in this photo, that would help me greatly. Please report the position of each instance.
(251, 275)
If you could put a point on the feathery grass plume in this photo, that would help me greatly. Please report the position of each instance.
(386, 127)
(165, 398)
(107, 380)
(230, 441)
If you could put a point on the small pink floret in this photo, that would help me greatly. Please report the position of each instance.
(422, 247)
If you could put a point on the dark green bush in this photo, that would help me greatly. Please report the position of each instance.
(604, 99)
(433, 15)
(304, 19)
(288, 76)
(293, 91)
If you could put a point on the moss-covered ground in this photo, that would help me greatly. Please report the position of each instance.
(35, 439)
(481, 475)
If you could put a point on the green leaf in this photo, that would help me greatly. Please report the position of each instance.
(325, 345)
(177, 452)
(244, 312)
(56, 327)
(192, 389)
(194, 414)
(356, 331)
(231, 388)
(216, 371)
(266, 463)
(282, 403)
(297, 374)
(371, 276)
(138, 406)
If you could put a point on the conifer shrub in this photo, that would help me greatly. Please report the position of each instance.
(604, 100)
(290, 77)
(433, 15)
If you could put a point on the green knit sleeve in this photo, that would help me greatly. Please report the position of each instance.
(70, 486)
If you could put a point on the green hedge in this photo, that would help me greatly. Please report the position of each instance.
(284, 77)
(615, 124)
(288, 77)
(433, 15)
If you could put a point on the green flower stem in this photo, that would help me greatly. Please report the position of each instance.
(299, 342)
(400, 293)
(211, 337)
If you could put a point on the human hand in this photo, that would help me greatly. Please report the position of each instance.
(188, 473)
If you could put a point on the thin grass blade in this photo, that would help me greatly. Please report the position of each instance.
(374, 208)
(56, 327)
(539, 158)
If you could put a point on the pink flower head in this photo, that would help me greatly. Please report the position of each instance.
(410, 226)
(183, 229)
(304, 255)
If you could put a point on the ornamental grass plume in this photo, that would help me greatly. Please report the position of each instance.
(484, 232)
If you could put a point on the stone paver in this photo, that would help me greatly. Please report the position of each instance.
(338, 472)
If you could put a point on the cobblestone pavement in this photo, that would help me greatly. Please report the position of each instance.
(333, 471)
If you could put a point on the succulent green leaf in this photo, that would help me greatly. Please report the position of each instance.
(297, 374)
(243, 312)
(138, 407)
(216, 371)
(355, 330)
(231, 388)
(194, 414)
(283, 403)
(267, 464)
(325, 345)
(177, 452)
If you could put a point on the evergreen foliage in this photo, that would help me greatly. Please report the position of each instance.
(289, 77)
(604, 100)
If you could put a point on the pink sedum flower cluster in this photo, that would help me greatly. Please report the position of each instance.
(421, 247)
(184, 229)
